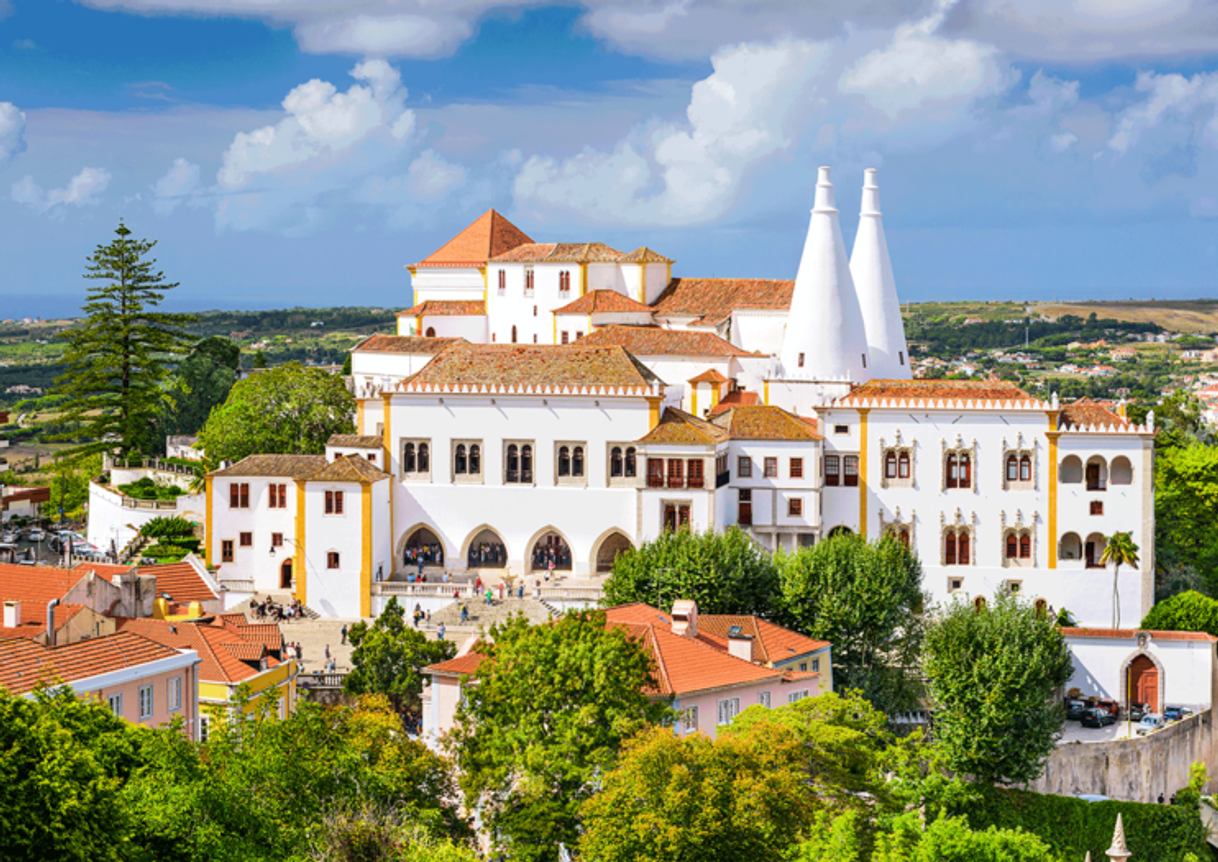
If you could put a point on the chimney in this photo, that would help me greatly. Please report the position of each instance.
(871, 269)
(12, 614)
(739, 644)
(51, 621)
(685, 618)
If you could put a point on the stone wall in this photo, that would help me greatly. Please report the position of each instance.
(1134, 770)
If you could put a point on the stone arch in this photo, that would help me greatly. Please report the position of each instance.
(1096, 473)
(1041, 606)
(1143, 639)
(840, 530)
(1071, 470)
(476, 537)
(611, 543)
(1070, 547)
(416, 531)
(1093, 549)
(1120, 471)
(431, 332)
(539, 537)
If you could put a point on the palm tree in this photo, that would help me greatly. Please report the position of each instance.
(1120, 551)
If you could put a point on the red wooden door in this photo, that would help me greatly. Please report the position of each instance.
(1144, 682)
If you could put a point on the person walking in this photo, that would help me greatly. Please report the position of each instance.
(327, 652)
(464, 614)
(489, 596)
(520, 590)
(343, 632)
(440, 632)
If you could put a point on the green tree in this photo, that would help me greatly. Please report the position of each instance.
(725, 573)
(346, 372)
(70, 484)
(202, 381)
(866, 599)
(952, 840)
(544, 715)
(287, 410)
(992, 672)
(1120, 550)
(117, 355)
(389, 657)
(1186, 512)
(64, 765)
(259, 359)
(1184, 612)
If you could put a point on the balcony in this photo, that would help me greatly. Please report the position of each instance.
(676, 482)
(655, 481)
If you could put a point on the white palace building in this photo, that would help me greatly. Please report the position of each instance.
(561, 402)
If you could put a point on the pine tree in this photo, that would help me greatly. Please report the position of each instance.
(117, 356)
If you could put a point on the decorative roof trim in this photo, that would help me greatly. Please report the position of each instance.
(407, 387)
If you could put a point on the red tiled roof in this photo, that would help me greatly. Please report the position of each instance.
(735, 398)
(403, 344)
(714, 299)
(771, 643)
(180, 581)
(604, 302)
(561, 252)
(359, 470)
(285, 466)
(518, 365)
(710, 375)
(936, 390)
(217, 663)
(447, 308)
(24, 663)
(462, 665)
(356, 441)
(34, 586)
(643, 254)
(684, 429)
(765, 423)
(489, 236)
(1084, 411)
(1129, 634)
(654, 341)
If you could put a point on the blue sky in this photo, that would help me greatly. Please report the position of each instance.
(296, 152)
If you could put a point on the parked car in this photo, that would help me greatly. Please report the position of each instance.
(1091, 797)
(1075, 709)
(1109, 706)
(1175, 713)
(1096, 717)
(1137, 710)
(9, 537)
(1149, 724)
(37, 534)
(61, 537)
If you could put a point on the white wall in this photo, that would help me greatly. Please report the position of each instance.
(471, 327)
(1186, 667)
(334, 592)
(759, 329)
(111, 521)
(444, 283)
(260, 562)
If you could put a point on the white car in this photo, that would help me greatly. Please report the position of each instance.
(9, 537)
(1149, 724)
(37, 534)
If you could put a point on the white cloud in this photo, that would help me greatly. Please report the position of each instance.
(178, 183)
(752, 106)
(1062, 141)
(12, 131)
(1189, 102)
(82, 190)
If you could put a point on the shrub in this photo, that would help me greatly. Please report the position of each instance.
(1186, 612)
(169, 527)
(165, 553)
(146, 489)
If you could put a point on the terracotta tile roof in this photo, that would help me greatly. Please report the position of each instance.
(354, 469)
(1129, 634)
(680, 428)
(355, 441)
(561, 252)
(1085, 412)
(105, 570)
(216, 662)
(735, 398)
(462, 665)
(403, 344)
(489, 236)
(765, 423)
(24, 664)
(771, 643)
(946, 390)
(654, 341)
(710, 375)
(714, 299)
(537, 366)
(34, 586)
(181, 581)
(603, 302)
(247, 651)
(267, 634)
(446, 308)
(643, 254)
(284, 466)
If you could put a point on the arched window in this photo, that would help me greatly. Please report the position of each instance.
(903, 465)
(1025, 469)
(1042, 608)
(408, 459)
(966, 472)
(1012, 468)
(953, 471)
(564, 461)
(502, 281)
(1121, 471)
(1012, 546)
(1025, 547)
(615, 462)
(460, 462)
(962, 549)
(424, 459)
(890, 465)
(513, 335)
(475, 459)
(526, 463)
(513, 464)
(903, 536)
(949, 549)
(431, 332)
(577, 461)
(979, 604)
(631, 463)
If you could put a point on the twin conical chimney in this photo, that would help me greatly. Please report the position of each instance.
(825, 337)
(871, 269)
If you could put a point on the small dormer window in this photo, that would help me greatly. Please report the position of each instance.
(801, 360)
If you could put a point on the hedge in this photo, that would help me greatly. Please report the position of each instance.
(163, 526)
(1072, 827)
(1186, 612)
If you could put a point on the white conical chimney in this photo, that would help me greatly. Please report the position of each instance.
(825, 338)
(877, 289)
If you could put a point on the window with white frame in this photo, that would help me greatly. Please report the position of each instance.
(570, 463)
(175, 694)
(517, 462)
(796, 696)
(467, 460)
(115, 702)
(689, 719)
(815, 665)
(204, 727)
(416, 459)
(763, 698)
(145, 701)
(729, 708)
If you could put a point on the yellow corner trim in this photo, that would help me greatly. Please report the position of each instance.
(693, 400)
(1053, 435)
(365, 569)
(766, 398)
(359, 416)
(653, 413)
(863, 473)
(298, 561)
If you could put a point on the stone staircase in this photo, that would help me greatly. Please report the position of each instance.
(482, 616)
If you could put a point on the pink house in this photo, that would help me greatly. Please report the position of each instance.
(712, 667)
(141, 681)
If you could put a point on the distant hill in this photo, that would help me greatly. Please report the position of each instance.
(1195, 315)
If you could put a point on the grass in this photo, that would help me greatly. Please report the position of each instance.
(1197, 315)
